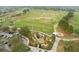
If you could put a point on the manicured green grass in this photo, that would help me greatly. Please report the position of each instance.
(75, 20)
(41, 20)
(36, 25)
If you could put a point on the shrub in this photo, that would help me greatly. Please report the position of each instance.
(25, 11)
(64, 25)
(77, 31)
(25, 32)
(70, 14)
(17, 45)
(71, 46)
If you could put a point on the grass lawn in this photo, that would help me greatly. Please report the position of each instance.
(41, 20)
(75, 20)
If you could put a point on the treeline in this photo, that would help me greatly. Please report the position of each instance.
(55, 8)
(64, 26)
(24, 11)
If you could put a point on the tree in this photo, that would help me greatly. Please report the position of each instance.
(77, 31)
(70, 29)
(28, 10)
(64, 25)
(70, 14)
(65, 18)
(25, 11)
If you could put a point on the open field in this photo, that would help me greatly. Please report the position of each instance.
(75, 20)
(41, 20)
(38, 29)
